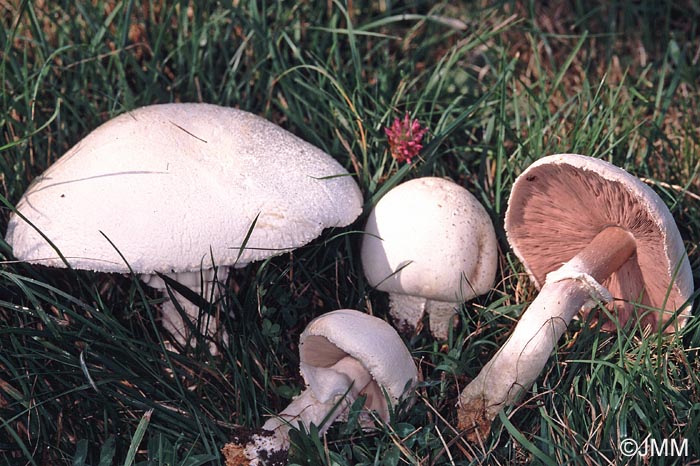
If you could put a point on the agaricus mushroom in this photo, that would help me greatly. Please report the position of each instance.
(180, 189)
(587, 232)
(344, 354)
(431, 245)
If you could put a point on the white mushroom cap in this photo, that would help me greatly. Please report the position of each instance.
(561, 202)
(368, 340)
(173, 185)
(430, 238)
(424, 236)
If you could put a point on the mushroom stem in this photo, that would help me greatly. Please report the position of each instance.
(520, 360)
(320, 407)
(441, 314)
(175, 325)
(407, 311)
(304, 410)
(204, 284)
(606, 253)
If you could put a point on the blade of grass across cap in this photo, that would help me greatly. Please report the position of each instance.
(14, 210)
(247, 238)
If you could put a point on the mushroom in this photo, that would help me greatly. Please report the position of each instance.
(344, 354)
(181, 190)
(431, 245)
(587, 232)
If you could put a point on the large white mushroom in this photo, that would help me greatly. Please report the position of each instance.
(180, 189)
(587, 233)
(431, 245)
(344, 354)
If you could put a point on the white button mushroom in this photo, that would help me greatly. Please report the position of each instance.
(179, 189)
(344, 354)
(587, 232)
(431, 245)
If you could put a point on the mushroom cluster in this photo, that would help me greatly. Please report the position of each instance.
(178, 193)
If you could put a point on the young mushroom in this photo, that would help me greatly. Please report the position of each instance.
(431, 245)
(344, 354)
(587, 233)
(181, 189)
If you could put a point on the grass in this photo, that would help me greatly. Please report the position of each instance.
(85, 378)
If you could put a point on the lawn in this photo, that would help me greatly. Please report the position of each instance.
(85, 375)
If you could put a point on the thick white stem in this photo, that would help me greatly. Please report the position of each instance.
(519, 362)
(319, 406)
(176, 326)
(407, 311)
(442, 315)
(172, 319)
(304, 410)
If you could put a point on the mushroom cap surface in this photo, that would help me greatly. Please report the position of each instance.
(430, 237)
(173, 185)
(561, 202)
(370, 340)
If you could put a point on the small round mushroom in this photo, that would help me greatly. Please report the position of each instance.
(180, 189)
(344, 354)
(431, 245)
(587, 233)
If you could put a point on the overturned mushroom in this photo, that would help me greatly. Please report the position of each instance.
(431, 245)
(587, 232)
(344, 354)
(179, 189)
